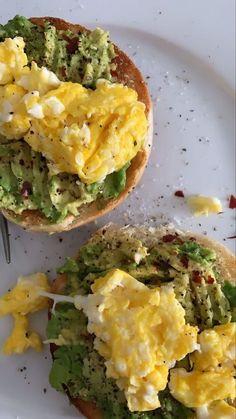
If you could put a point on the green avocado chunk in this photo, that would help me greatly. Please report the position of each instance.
(92, 60)
(83, 57)
(25, 184)
(229, 291)
(33, 36)
(196, 252)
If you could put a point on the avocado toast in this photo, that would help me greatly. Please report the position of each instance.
(202, 274)
(29, 195)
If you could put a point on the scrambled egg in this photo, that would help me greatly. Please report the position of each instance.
(20, 339)
(98, 132)
(211, 379)
(23, 299)
(12, 59)
(203, 205)
(14, 121)
(80, 131)
(217, 410)
(138, 337)
(197, 388)
(37, 79)
(218, 349)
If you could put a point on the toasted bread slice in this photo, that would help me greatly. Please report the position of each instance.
(128, 74)
(149, 236)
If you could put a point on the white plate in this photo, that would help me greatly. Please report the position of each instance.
(186, 52)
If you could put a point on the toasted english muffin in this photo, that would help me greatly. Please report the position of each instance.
(149, 237)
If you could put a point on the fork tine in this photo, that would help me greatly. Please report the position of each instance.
(5, 238)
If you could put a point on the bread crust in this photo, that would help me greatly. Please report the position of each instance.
(127, 73)
(227, 265)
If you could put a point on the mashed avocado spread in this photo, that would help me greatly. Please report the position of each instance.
(190, 268)
(25, 183)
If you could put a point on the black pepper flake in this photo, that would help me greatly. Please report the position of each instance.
(45, 390)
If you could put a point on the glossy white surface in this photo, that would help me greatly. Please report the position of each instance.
(186, 51)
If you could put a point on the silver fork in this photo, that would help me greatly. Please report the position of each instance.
(5, 238)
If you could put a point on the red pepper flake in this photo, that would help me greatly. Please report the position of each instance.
(197, 277)
(180, 194)
(72, 45)
(231, 237)
(184, 261)
(210, 279)
(232, 202)
(26, 190)
(63, 71)
(168, 238)
(114, 73)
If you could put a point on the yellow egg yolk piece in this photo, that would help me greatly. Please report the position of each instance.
(216, 410)
(212, 378)
(12, 59)
(217, 349)
(197, 388)
(23, 299)
(138, 337)
(204, 205)
(14, 121)
(94, 133)
(21, 339)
